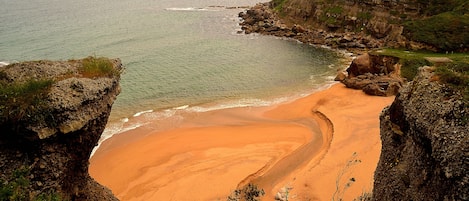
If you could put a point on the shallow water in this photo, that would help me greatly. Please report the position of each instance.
(180, 56)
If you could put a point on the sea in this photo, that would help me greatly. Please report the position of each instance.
(180, 56)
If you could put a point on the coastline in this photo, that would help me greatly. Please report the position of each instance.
(221, 149)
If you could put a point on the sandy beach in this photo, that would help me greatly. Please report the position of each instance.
(322, 146)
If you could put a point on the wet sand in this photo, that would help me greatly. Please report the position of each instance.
(303, 145)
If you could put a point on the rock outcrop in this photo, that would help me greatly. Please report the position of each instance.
(50, 142)
(425, 144)
(374, 74)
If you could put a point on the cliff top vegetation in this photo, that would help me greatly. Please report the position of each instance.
(452, 69)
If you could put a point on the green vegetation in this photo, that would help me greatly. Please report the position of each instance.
(98, 67)
(446, 31)
(278, 4)
(411, 61)
(335, 10)
(23, 101)
(446, 28)
(454, 74)
(16, 188)
(436, 7)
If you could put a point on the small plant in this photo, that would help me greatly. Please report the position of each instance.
(345, 173)
(98, 67)
(278, 5)
(249, 192)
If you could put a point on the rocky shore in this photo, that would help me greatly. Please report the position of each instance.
(263, 20)
(52, 116)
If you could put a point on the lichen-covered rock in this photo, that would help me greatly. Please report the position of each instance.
(54, 150)
(425, 144)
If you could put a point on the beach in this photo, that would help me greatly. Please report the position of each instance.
(318, 147)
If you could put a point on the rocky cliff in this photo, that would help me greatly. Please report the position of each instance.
(425, 144)
(433, 25)
(52, 116)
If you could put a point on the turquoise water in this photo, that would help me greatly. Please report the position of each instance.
(179, 55)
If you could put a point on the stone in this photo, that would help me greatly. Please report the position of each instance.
(341, 75)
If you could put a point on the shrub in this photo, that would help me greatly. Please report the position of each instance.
(249, 192)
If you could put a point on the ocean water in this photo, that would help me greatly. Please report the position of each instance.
(179, 55)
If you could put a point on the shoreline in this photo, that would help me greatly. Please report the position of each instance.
(222, 148)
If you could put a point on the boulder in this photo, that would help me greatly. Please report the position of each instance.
(360, 66)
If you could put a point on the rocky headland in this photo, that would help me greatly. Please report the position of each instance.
(52, 115)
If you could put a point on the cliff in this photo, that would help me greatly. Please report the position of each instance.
(425, 143)
(52, 116)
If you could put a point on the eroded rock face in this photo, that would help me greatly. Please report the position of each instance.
(425, 144)
(56, 151)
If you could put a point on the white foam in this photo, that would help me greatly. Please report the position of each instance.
(186, 9)
(142, 112)
(114, 129)
(181, 107)
(239, 104)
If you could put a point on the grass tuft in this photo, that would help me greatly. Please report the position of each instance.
(24, 101)
(98, 67)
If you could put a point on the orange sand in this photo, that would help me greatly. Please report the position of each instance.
(303, 145)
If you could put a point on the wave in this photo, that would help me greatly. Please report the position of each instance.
(181, 107)
(142, 112)
(4, 63)
(186, 9)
